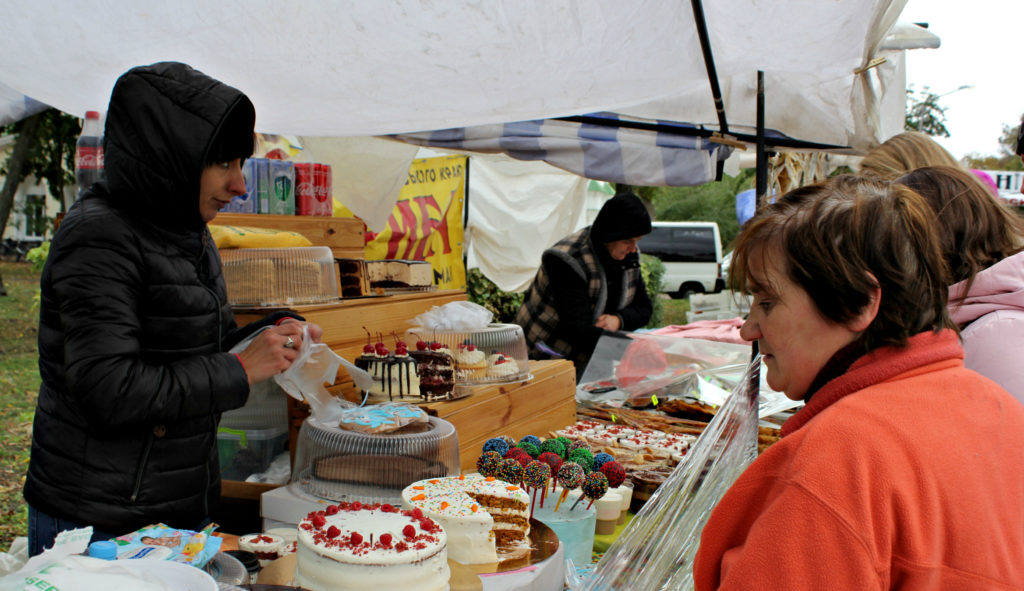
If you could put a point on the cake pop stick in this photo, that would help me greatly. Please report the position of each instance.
(595, 485)
(570, 476)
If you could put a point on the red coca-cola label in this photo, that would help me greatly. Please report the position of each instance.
(305, 190)
(88, 158)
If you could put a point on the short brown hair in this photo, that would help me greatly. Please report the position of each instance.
(836, 239)
(975, 230)
(904, 152)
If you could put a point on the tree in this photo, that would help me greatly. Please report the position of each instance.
(924, 113)
(1007, 159)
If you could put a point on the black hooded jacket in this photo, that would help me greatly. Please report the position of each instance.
(134, 320)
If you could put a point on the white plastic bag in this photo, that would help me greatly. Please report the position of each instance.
(458, 316)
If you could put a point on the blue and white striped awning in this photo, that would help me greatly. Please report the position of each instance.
(671, 156)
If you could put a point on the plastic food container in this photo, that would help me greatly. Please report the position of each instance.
(279, 276)
(340, 465)
(244, 452)
(477, 353)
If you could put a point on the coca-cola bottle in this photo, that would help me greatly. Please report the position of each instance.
(89, 152)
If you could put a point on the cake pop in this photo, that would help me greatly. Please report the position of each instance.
(487, 464)
(530, 439)
(554, 446)
(615, 473)
(529, 448)
(496, 444)
(584, 458)
(600, 459)
(509, 440)
(577, 444)
(555, 461)
(510, 470)
(594, 486)
(536, 477)
(566, 442)
(570, 476)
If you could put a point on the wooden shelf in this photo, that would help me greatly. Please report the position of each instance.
(344, 236)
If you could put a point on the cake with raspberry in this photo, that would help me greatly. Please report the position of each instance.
(470, 362)
(266, 547)
(487, 519)
(436, 369)
(500, 365)
(351, 546)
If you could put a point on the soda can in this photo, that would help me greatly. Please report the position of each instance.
(327, 204)
(305, 191)
(282, 187)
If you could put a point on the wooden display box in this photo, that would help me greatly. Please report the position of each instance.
(534, 407)
(344, 236)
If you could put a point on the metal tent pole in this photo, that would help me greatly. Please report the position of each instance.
(709, 63)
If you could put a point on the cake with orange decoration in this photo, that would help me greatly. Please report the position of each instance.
(486, 519)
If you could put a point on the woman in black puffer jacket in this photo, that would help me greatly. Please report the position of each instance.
(134, 325)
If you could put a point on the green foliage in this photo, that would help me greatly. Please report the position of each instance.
(710, 202)
(1007, 159)
(653, 270)
(924, 113)
(480, 290)
(52, 155)
(37, 256)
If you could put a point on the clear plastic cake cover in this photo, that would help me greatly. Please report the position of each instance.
(347, 465)
(656, 550)
(279, 276)
(340, 465)
(495, 353)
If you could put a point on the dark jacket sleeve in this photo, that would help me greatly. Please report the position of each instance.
(239, 334)
(100, 283)
(638, 313)
(575, 314)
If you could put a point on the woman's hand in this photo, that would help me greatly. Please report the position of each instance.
(274, 349)
(609, 322)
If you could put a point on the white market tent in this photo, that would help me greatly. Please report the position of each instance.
(354, 70)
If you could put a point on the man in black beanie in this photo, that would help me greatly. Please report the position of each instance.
(588, 283)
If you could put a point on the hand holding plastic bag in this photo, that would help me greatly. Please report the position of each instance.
(315, 366)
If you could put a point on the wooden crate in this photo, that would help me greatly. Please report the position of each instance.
(344, 236)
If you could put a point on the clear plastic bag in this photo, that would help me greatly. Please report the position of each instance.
(656, 550)
(454, 316)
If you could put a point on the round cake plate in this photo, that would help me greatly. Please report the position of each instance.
(225, 568)
(543, 545)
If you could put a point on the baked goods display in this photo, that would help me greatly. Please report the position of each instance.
(355, 546)
(349, 465)
(486, 519)
(394, 373)
(279, 276)
(494, 354)
(359, 277)
(382, 418)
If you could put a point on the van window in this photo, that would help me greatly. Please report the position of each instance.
(681, 244)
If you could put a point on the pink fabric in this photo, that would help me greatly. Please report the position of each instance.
(991, 319)
(723, 331)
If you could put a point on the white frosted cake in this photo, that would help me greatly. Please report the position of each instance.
(485, 518)
(355, 546)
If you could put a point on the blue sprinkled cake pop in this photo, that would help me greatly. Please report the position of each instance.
(601, 459)
(496, 444)
(531, 439)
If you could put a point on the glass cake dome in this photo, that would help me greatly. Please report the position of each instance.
(341, 465)
(279, 276)
(495, 354)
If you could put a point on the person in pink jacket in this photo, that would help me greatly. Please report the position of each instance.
(903, 470)
(982, 242)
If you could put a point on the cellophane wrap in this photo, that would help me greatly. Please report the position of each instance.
(656, 550)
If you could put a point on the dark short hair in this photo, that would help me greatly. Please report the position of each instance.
(975, 230)
(839, 240)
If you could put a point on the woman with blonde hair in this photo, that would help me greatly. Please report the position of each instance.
(981, 240)
(903, 153)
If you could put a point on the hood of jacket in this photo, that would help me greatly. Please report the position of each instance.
(999, 287)
(161, 122)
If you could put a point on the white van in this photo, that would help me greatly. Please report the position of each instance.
(692, 254)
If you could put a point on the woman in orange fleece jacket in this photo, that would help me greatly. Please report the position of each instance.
(904, 470)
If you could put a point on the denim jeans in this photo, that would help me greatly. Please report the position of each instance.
(43, 530)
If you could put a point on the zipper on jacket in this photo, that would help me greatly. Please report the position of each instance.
(142, 467)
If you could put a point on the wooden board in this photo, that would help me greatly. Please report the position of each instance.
(344, 236)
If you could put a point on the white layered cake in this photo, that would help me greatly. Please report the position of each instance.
(357, 547)
(486, 519)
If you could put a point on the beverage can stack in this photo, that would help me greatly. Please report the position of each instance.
(313, 191)
(89, 152)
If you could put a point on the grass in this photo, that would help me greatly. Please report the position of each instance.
(19, 382)
(674, 311)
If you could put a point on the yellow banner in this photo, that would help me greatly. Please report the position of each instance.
(426, 223)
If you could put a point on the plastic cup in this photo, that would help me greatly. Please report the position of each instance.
(625, 490)
(609, 507)
(574, 527)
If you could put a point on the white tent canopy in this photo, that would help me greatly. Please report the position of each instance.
(351, 68)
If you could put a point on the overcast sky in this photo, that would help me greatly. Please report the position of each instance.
(982, 47)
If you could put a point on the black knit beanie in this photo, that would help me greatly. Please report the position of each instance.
(621, 217)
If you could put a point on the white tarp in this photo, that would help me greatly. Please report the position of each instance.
(348, 68)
